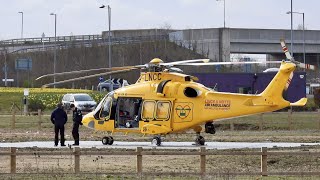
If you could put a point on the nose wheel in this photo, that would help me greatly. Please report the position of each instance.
(156, 141)
(107, 140)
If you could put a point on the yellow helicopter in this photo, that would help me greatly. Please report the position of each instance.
(162, 102)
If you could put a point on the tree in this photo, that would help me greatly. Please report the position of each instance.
(300, 27)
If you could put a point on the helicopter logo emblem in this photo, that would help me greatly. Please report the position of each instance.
(183, 112)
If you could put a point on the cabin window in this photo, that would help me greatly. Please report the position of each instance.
(163, 110)
(148, 110)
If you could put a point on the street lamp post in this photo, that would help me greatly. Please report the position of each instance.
(304, 41)
(5, 68)
(21, 23)
(303, 34)
(224, 13)
(109, 34)
(55, 47)
(291, 31)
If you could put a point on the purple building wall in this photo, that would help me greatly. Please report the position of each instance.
(251, 83)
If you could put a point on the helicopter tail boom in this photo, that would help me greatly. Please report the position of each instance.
(273, 93)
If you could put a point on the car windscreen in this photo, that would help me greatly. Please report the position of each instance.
(82, 98)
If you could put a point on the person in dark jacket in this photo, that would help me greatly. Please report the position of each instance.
(77, 118)
(59, 118)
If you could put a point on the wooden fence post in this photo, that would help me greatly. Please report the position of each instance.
(13, 165)
(76, 151)
(290, 119)
(231, 126)
(319, 118)
(13, 120)
(139, 160)
(261, 122)
(39, 122)
(264, 171)
(202, 161)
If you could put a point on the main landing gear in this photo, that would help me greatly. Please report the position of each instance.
(156, 140)
(209, 128)
(107, 140)
(199, 140)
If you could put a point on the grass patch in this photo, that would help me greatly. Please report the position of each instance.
(48, 96)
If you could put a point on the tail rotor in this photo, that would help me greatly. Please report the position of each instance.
(290, 58)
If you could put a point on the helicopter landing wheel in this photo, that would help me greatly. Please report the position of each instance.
(156, 141)
(110, 142)
(107, 140)
(200, 140)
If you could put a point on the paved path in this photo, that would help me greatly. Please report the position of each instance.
(165, 145)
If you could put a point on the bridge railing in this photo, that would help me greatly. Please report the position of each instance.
(38, 40)
(79, 38)
(64, 42)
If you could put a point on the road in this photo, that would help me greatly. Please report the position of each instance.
(165, 145)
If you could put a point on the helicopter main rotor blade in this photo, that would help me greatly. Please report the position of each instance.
(288, 56)
(90, 76)
(229, 63)
(83, 71)
(185, 61)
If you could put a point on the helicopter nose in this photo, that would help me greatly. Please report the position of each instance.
(88, 120)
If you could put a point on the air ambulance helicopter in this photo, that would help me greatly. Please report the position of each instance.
(164, 101)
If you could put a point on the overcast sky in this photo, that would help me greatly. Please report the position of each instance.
(79, 17)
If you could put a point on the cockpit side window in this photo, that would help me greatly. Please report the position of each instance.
(106, 109)
(103, 110)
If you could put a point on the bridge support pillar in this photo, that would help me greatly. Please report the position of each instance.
(224, 44)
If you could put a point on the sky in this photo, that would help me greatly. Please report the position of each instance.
(84, 17)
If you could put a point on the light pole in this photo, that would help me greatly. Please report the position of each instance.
(291, 30)
(224, 13)
(109, 33)
(303, 34)
(43, 36)
(5, 68)
(21, 23)
(55, 47)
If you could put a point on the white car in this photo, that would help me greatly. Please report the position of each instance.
(82, 101)
(115, 83)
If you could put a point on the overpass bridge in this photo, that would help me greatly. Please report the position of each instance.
(218, 43)
(215, 43)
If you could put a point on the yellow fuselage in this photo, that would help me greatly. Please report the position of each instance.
(173, 102)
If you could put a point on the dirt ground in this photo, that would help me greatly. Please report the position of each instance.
(163, 164)
(101, 166)
(215, 164)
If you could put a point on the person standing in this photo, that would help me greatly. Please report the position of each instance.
(77, 118)
(59, 118)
